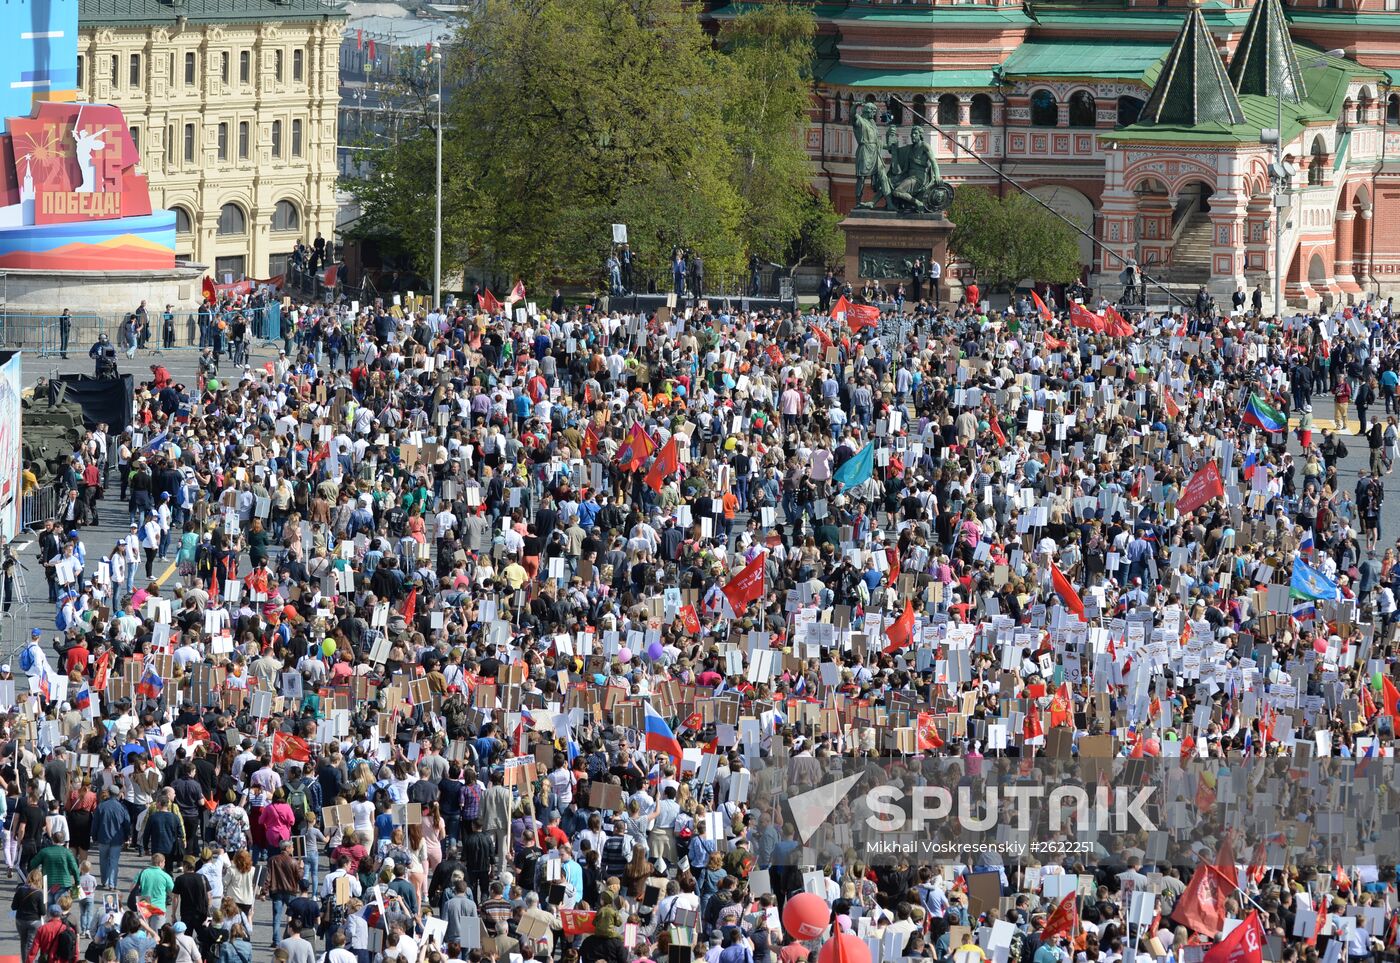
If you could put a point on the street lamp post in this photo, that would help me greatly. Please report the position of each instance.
(437, 213)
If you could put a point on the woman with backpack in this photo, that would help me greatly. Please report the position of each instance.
(27, 905)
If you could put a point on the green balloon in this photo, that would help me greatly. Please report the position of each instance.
(328, 647)
(213, 384)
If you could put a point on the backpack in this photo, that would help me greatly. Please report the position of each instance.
(614, 856)
(296, 798)
(65, 946)
(26, 658)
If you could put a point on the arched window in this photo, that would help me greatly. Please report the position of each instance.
(1317, 170)
(980, 112)
(920, 109)
(1129, 109)
(231, 220)
(1392, 108)
(1363, 106)
(1081, 109)
(286, 217)
(1045, 110)
(183, 223)
(948, 110)
(895, 107)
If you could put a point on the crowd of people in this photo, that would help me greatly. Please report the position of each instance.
(481, 624)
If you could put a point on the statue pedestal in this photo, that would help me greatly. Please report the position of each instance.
(880, 245)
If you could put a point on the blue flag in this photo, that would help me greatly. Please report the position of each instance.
(858, 469)
(1309, 583)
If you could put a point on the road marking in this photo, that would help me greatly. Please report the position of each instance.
(166, 574)
(23, 546)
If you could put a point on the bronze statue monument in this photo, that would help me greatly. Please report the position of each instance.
(908, 180)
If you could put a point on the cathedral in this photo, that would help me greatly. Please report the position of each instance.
(1152, 124)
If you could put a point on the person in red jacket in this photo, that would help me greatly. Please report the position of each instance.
(57, 939)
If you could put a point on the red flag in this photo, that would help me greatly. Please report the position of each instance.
(359, 40)
(1041, 307)
(1169, 403)
(862, 316)
(410, 607)
(1055, 344)
(1202, 907)
(693, 721)
(590, 438)
(690, 619)
(748, 585)
(487, 302)
(664, 466)
(927, 734)
(1368, 704)
(1032, 728)
(823, 338)
(997, 433)
(213, 583)
(1202, 487)
(331, 276)
(197, 733)
(637, 449)
(1224, 864)
(1245, 944)
(211, 294)
(1064, 921)
(577, 922)
(1066, 592)
(1061, 707)
(291, 747)
(371, 50)
(839, 309)
(1082, 317)
(1115, 324)
(102, 671)
(901, 630)
(517, 293)
(1390, 696)
(428, 48)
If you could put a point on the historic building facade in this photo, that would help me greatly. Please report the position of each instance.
(232, 106)
(1141, 120)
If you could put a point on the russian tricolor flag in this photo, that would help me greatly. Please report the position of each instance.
(659, 737)
(151, 683)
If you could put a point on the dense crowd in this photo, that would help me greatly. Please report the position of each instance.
(506, 634)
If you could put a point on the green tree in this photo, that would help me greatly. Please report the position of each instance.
(1012, 239)
(769, 58)
(566, 116)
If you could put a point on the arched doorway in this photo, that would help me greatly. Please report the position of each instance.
(1317, 274)
(1193, 234)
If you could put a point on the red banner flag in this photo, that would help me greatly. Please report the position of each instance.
(664, 466)
(102, 672)
(748, 585)
(410, 607)
(291, 747)
(901, 630)
(197, 733)
(1082, 317)
(1116, 324)
(1061, 707)
(1042, 308)
(487, 302)
(1064, 921)
(636, 450)
(1066, 592)
(577, 922)
(839, 309)
(823, 338)
(1202, 907)
(927, 733)
(1203, 486)
(862, 316)
(690, 619)
(1245, 944)
(997, 433)
(517, 293)
(1169, 403)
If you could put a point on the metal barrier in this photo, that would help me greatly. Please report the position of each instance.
(39, 506)
(43, 334)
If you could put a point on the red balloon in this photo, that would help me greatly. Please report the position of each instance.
(853, 949)
(1154, 746)
(806, 916)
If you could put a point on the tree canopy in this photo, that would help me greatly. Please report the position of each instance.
(1012, 239)
(567, 116)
